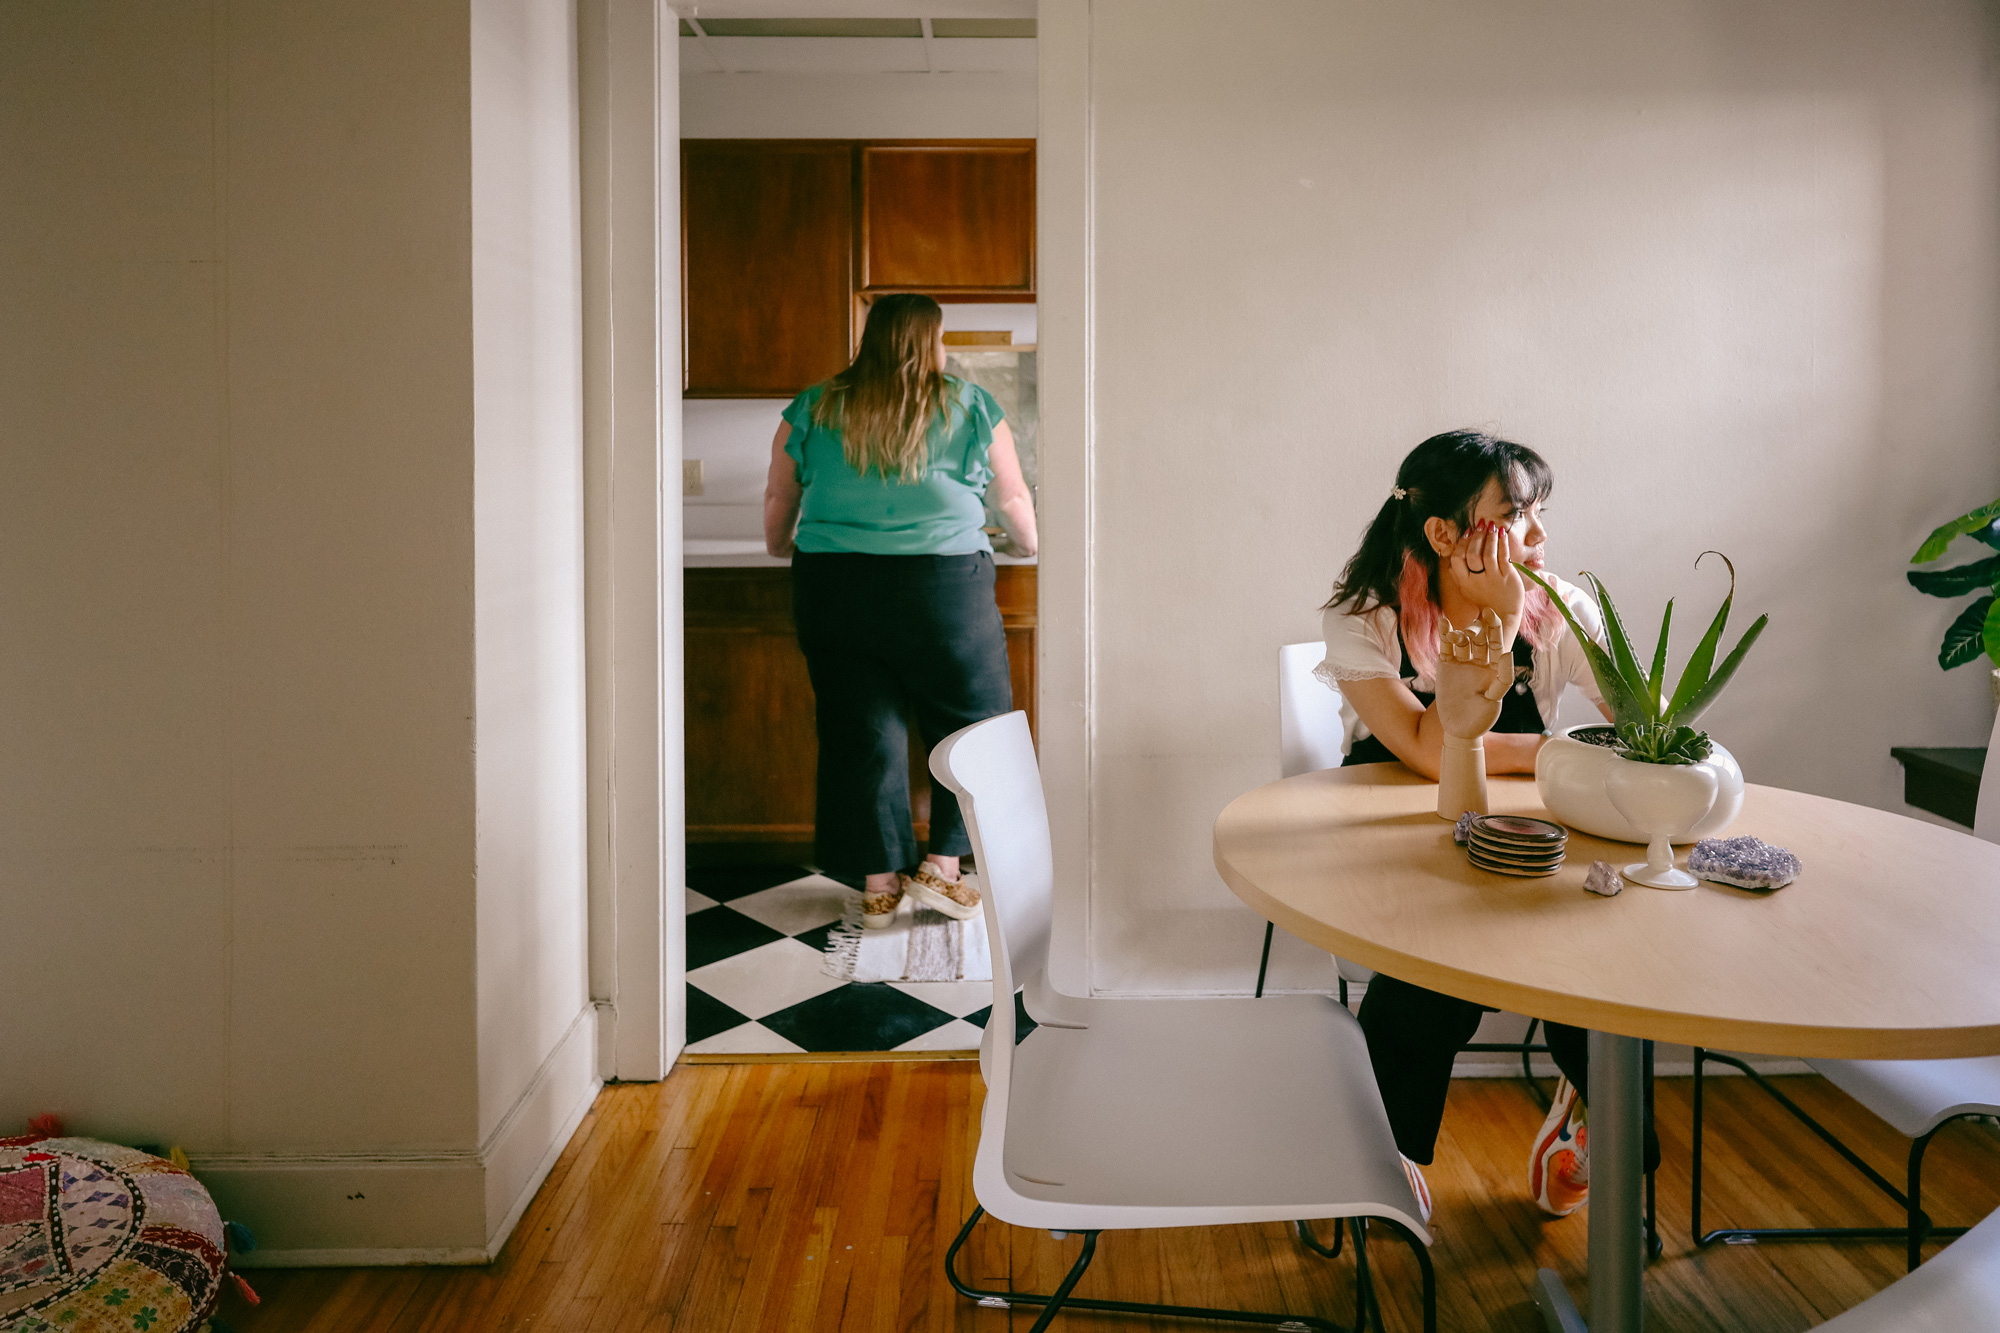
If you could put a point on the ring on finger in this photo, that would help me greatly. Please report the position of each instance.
(1470, 570)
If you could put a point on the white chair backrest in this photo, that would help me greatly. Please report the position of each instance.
(1986, 819)
(1311, 731)
(990, 766)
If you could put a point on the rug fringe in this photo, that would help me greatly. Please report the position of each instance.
(843, 942)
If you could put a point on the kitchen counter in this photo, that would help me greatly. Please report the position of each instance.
(739, 553)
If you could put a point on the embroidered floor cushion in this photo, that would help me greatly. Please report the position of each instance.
(96, 1238)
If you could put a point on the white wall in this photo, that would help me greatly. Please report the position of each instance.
(1730, 266)
(243, 419)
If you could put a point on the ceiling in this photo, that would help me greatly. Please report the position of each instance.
(845, 37)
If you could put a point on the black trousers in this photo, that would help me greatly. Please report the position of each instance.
(1414, 1035)
(890, 640)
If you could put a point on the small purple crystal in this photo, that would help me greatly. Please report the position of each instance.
(1604, 879)
(1461, 832)
(1746, 862)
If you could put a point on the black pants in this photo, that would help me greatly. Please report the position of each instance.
(891, 639)
(1414, 1035)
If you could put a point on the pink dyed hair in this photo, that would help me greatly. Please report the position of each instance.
(1419, 618)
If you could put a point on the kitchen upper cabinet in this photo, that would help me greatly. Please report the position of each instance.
(783, 241)
(948, 218)
(767, 244)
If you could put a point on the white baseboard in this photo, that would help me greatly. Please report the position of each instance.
(389, 1208)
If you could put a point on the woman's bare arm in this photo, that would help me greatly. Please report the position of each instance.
(1009, 493)
(782, 493)
(1414, 735)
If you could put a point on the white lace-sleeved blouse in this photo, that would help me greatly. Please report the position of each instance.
(1367, 647)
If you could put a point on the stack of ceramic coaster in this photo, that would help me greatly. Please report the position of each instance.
(1516, 845)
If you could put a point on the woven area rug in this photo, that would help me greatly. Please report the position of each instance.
(921, 945)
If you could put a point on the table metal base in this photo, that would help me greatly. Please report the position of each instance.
(1617, 1187)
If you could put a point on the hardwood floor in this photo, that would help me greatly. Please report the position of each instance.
(822, 1196)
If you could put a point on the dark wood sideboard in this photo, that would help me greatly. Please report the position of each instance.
(751, 751)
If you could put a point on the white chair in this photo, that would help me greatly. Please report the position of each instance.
(1916, 1097)
(1116, 1114)
(1955, 1292)
(1312, 735)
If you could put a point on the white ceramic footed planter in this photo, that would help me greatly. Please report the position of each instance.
(1570, 776)
(1663, 801)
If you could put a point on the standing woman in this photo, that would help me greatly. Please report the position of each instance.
(876, 491)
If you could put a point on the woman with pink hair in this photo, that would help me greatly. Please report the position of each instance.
(1465, 507)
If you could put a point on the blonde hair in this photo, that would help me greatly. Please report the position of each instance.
(886, 402)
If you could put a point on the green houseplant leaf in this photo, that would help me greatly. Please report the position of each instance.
(1957, 581)
(1626, 704)
(1659, 671)
(1966, 639)
(1691, 711)
(1991, 633)
(1621, 647)
(1647, 731)
(1697, 671)
(1990, 534)
(1935, 544)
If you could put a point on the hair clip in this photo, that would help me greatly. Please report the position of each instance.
(1399, 493)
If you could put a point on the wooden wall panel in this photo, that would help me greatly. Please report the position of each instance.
(956, 218)
(767, 264)
(751, 749)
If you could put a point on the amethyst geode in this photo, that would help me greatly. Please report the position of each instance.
(1746, 862)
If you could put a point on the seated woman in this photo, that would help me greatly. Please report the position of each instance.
(1465, 507)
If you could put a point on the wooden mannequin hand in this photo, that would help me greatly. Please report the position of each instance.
(1475, 671)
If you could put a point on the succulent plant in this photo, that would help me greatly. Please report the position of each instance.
(1977, 628)
(1655, 727)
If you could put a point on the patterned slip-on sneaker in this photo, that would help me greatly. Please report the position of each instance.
(1420, 1187)
(1559, 1161)
(879, 909)
(954, 897)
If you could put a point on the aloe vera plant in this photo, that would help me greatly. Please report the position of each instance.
(1977, 628)
(1655, 727)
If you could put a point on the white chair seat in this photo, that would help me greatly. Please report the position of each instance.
(1956, 1292)
(1253, 1102)
(1916, 1096)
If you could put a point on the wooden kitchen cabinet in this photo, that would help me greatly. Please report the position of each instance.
(783, 242)
(954, 219)
(751, 752)
(767, 241)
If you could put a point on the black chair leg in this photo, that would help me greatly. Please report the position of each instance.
(1264, 964)
(1917, 1226)
(1062, 1298)
(1920, 1223)
(1307, 1239)
(1068, 1283)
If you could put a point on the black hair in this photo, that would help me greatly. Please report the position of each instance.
(1442, 478)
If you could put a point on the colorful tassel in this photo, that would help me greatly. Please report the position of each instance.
(179, 1159)
(49, 1125)
(239, 1237)
(243, 1288)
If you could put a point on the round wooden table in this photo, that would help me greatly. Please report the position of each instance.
(1884, 948)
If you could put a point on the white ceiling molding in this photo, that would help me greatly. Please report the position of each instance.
(858, 9)
(858, 55)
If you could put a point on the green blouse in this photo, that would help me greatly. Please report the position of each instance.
(942, 513)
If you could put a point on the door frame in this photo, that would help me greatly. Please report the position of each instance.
(629, 202)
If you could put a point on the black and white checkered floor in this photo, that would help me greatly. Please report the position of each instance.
(756, 941)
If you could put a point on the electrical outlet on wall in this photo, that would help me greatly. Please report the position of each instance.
(690, 476)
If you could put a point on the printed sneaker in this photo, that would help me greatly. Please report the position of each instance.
(1419, 1188)
(879, 909)
(1559, 1162)
(954, 897)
